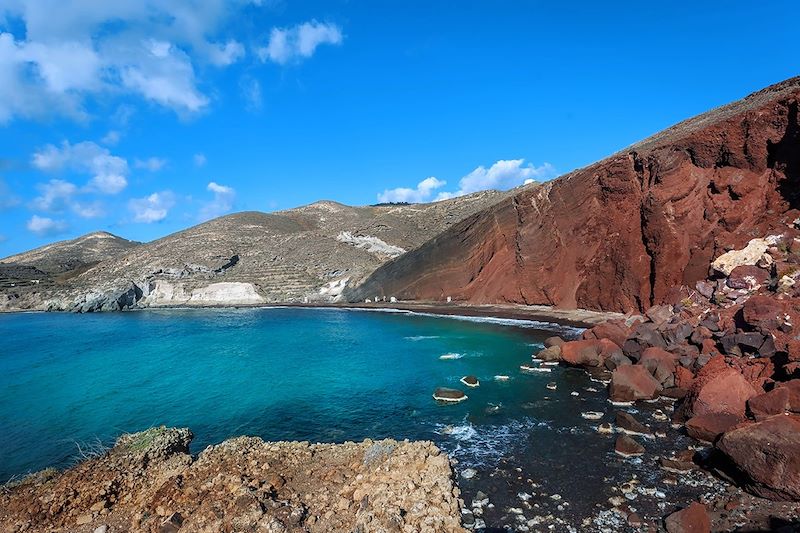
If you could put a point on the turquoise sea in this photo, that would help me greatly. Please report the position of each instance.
(282, 374)
(303, 374)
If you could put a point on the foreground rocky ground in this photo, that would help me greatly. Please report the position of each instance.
(149, 482)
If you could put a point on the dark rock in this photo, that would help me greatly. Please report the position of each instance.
(661, 364)
(470, 381)
(748, 277)
(705, 288)
(171, 524)
(443, 394)
(627, 447)
(675, 334)
(676, 393)
(616, 360)
(749, 342)
(765, 455)
(626, 422)
(710, 426)
(693, 519)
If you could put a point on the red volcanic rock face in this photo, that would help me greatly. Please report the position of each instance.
(710, 426)
(766, 454)
(623, 233)
(588, 352)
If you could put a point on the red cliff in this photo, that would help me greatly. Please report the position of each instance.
(622, 233)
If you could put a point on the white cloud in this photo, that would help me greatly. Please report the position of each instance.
(503, 175)
(54, 196)
(64, 52)
(43, 226)
(111, 138)
(153, 208)
(221, 204)
(422, 193)
(153, 164)
(299, 42)
(199, 160)
(108, 172)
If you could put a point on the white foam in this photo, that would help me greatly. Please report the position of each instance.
(417, 338)
(451, 356)
(501, 378)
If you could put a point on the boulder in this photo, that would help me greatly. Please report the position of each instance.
(763, 312)
(633, 382)
(627, 447)
(661, 364)
(588, 352)
(659, 314)
(748, 277)
(470, 381)
(785, 398)
(551, 353)
(719, 388)
(616, 360)
(628, 424)
(443, 394)
(676, 334)
(553, 341)
(749, 255)
(693, 519)
(614, 330)
(765, 455)
(710, 426)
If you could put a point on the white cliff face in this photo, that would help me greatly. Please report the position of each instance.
(222, 293)
(373, 245)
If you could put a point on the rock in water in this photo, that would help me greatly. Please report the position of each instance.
(470, 381)
(627, 447)
(443, 394)
(693, 519)
(767, 456)
(627, 423)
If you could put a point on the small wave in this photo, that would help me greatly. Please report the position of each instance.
(450, 356)
(416, 338)
(461, 433)
(482, 445)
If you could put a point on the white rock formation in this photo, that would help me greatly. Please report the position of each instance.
(749, 255)
(223, 293)
(373, 245)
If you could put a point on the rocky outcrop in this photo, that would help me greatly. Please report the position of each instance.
(149, 483)
(623, 233)
(693, 519)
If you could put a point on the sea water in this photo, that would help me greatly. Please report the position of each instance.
(320, 375)
(281, 374)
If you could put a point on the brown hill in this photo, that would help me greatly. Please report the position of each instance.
(622, 233)
(306, 253)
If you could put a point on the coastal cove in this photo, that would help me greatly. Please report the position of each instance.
(330, 375)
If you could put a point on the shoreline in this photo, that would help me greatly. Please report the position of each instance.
(573, 318)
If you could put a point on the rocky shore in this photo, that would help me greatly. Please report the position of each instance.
(149, 482)
(727, 352)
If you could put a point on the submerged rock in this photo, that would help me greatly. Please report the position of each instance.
(470, 381)
(628, 424)
(443, 394)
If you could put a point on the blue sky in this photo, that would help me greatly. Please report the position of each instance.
(143, 117)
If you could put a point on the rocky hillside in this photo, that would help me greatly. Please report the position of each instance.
(66, 256)
(305, 254)
(621, 234)
(148, 482)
